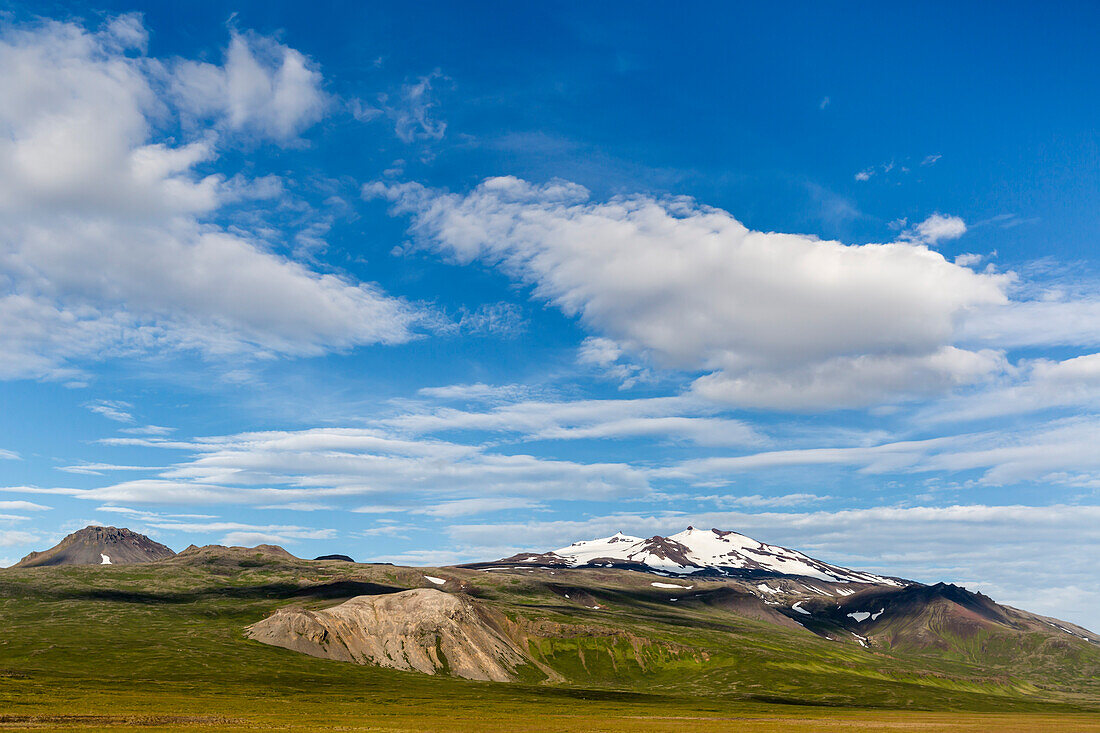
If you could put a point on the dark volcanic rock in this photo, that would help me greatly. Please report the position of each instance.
(345, 558)
(99, 546)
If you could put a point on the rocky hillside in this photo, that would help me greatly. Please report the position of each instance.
(99, 546)
(423, 629)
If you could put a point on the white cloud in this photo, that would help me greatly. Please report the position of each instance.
(478, 392)
(12, 537)
(412, 111)
(1033, 385)
(98, 469)
(489, 319)
(312, 465)
(937, 228)
(9, 455)
(662, 418)
(125, 32)
(599, 351)
(247, 534)
(784, 500)
(106, 243)
(1055, 322)
(378, 509)
(855, 381)
(111, 409)
(610, 358)
(301, 506)
(690, 287)
(147, 430)
(25, 506)
(468, 507)
(263, 88)
(1056, 452)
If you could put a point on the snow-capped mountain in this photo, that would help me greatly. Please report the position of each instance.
(698, 552)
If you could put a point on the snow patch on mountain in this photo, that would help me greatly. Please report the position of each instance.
(700, 551)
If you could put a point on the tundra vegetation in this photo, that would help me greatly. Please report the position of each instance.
(165, 645)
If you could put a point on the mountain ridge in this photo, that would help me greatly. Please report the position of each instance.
(695, 552)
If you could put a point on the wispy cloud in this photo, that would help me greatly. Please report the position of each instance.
(413, 110)
(111, 409)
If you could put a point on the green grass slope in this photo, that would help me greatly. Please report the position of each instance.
(165, 642)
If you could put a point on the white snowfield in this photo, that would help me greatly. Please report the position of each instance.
(437, 581)
(104, 559)
(798, 607)
(694, 550)
(672, 585)
(861, 616)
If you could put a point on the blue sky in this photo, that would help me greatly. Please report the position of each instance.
(429, 284)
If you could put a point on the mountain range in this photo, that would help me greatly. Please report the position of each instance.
(708, 608)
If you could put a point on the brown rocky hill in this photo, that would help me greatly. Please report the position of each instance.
(422, 629)
(99, 546)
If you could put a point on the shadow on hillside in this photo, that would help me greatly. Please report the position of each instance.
(273, 591)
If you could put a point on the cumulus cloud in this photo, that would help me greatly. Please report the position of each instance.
(107, 240)
(691, 287)
(263, 88)
(612, 360)
(854, 381)
(937, 228)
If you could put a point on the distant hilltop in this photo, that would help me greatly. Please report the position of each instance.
(99, 546)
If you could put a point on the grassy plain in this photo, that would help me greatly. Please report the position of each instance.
(161, 646)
